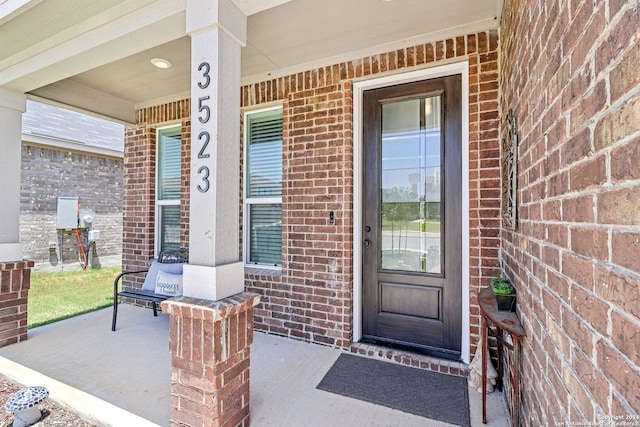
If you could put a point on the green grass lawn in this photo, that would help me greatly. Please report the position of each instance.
(58, 296)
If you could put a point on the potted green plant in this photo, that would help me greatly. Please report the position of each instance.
(505, 293)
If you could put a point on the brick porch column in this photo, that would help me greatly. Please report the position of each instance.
(15, 279)
(210, 347)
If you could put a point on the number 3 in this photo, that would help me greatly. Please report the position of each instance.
(205, 179)
(205, 74)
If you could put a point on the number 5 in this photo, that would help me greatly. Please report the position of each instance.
(205, 108)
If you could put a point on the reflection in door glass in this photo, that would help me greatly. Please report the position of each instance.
(411, 186)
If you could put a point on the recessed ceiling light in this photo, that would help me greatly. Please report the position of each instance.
(161, 63)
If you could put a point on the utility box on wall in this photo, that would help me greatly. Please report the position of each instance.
(86, 219)
(67, 213)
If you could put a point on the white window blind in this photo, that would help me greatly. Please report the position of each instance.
(263, 188)
(265, 223)
(169, 159)
(169, 227)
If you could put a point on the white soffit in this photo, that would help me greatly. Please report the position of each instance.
(299, 35)
(315, 30)
(284, 36)
(41, 20)
(141, 79)
(104, 36)
(12, 8)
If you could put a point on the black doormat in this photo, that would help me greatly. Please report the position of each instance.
(416, 391)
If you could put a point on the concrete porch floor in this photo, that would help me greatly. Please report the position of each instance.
(122, 378)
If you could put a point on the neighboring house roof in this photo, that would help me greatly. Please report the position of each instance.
(54, 126)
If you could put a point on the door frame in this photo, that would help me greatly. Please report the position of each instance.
(359, 87)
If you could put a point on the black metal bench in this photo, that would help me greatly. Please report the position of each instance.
(165, 257)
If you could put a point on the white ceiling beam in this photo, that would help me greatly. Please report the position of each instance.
(106, 37)
(48, 142)
(83, 99)
(251, 7)
(81, 29)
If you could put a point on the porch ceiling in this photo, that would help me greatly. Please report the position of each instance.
(94, 54)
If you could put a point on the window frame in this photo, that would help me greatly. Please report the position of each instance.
(159, 203)
(247, 202)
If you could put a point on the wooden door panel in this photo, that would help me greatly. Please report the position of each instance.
(413, 331)
(412, 215)
(407, 300)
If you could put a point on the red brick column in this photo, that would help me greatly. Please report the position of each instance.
(210, 344)
(15, 280)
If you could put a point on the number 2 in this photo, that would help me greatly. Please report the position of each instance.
(201, 153)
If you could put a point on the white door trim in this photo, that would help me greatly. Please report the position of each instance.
(461, 68)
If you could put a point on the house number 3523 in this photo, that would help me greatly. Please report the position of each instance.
(204, 114)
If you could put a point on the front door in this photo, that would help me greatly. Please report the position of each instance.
(412, 278)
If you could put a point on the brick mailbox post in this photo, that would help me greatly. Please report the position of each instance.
(210, 346)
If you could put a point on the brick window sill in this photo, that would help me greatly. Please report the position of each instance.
(257, 271)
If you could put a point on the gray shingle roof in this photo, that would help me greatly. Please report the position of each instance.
(54, 122)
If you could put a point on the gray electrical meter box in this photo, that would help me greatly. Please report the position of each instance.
(86, 219)
(67, 214)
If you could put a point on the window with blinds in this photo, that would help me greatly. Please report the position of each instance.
(263, 188)
(168, 173)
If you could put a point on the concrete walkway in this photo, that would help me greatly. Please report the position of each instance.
(122, 378)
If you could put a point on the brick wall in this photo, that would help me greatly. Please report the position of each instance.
(312, 298)
(49, 173)
(569, 70)
(139, 184)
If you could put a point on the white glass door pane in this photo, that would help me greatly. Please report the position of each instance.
(411, 186)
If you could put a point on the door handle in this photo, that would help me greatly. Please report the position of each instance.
(366, 243)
